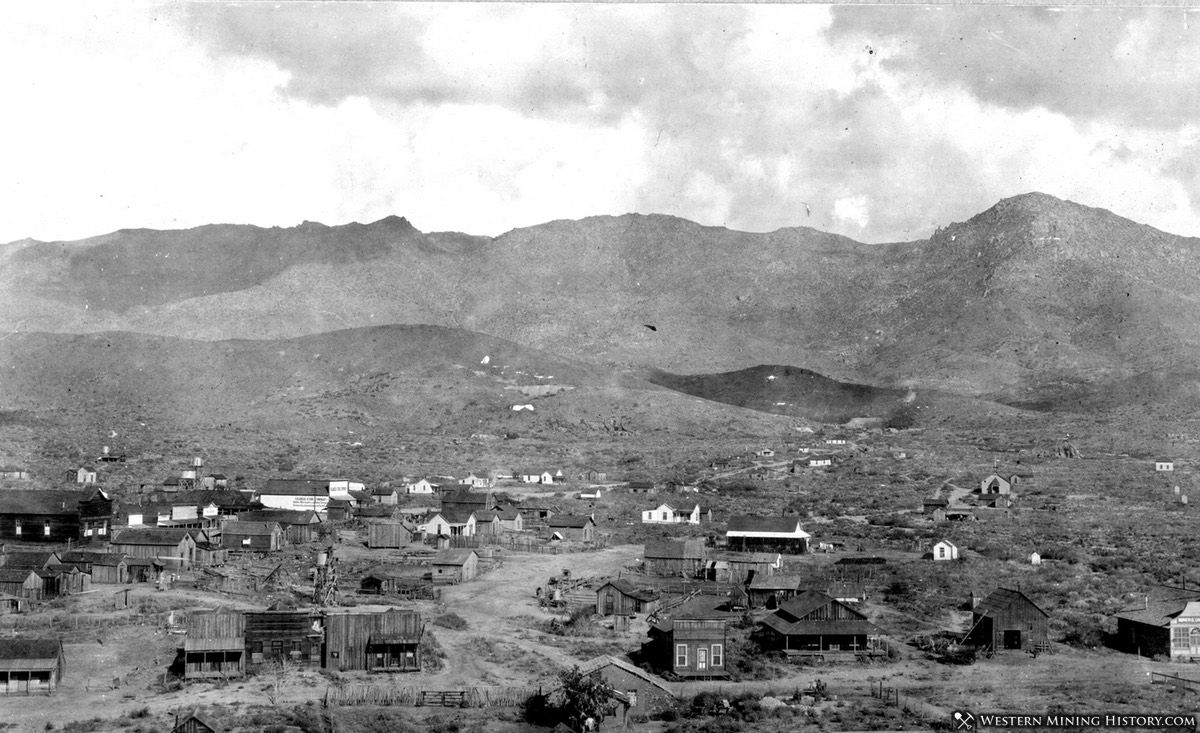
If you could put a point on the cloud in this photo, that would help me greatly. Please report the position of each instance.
(879, 123)
(1133, 65)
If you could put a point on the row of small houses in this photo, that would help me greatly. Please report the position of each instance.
(691, 640)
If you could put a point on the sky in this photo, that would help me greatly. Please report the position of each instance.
(879, 123)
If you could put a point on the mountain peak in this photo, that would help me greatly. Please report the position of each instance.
(394, 222)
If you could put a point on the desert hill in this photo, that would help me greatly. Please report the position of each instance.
(1033, 297)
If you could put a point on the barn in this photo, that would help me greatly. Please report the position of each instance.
(31, 666)
(1007, 619)
(374, 641)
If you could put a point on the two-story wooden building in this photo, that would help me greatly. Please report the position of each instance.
(374, 640)
(691, 641)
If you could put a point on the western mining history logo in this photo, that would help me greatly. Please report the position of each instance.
(966, 721)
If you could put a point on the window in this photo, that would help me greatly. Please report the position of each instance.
(664, 516)
(718, 655)
(941, 552)
(245, 541)
(681, 655)
(46, 529)
(18, 529)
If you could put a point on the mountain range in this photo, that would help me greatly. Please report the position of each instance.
(1036, 301)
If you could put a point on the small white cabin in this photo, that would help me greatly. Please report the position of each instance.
(945, 550)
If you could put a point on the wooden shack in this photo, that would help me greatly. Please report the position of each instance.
(300, 526)
(374, 641)
(193, 722)
(769, 590)
(455, 566)
(1007, 619)
(169, 546)
(393, 579)
(283, 635)
(646, 693)
(621, 598)
(21, 583)
(215, 645)
(31, 666)
(572, 527)
(104, 567)
(252, 536)
(674, 557)
(388, 535)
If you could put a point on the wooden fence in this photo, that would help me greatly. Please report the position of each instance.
(473, 697)
(1179, 683)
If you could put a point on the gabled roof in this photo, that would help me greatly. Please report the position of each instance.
(282, 516)
(29, 650)
(33, 501)
(15, 575)
(600, 663)
(251, 529)
(110, 559)
(782, 525)
(675, 549)
(779, 581)
(571, 521)
(1001, 599)
(625, 588)
(457, 515)
(824, 627)
(808, 601)
(452, 557)
(158, 536)
(36, 559)
(295, 487)
(935, 502)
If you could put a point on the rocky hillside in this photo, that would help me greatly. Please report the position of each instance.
(1033, 298)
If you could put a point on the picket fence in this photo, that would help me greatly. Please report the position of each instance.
(473, 697)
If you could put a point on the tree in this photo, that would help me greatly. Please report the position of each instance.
(585, 697)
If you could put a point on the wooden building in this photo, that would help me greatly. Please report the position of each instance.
(104, 567)
(995, 484)
(374, 641)
(299, 494)
(252, 536)
(455, 566)
(31, 666)
(338, 510)
(393, 579)
(691, 642)
(724, 566)
(775, 534)
(646, 694)
(945, 550)
(215, 645)
(21, 583)
(283, 635)
(194, 722)
(1185, 634)
(388, 535)
(1145, 630)
(1007, 619)
(300, 526)
(511, 518)
(621, 598)
(32, 515)
(769, 590)
(169, 546)
(814, 623)
(674, 557)
(572, 527)
(13, 604)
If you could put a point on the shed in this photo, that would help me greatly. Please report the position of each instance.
(24, 583)
(105, 567)
(622, 598)
(31, 666)
(455, 566)
(572, 527)
(647, 693)
(388, 535)
(1008, 619)
(766, 590)
(945, 550)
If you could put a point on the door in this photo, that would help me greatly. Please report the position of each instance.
(1012, 639)
(608, 603)
(1194, 642)
(701, 659)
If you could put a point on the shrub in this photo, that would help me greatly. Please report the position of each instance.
(451, 621)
